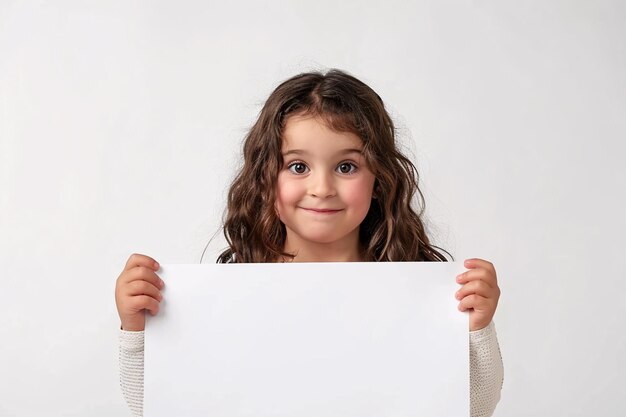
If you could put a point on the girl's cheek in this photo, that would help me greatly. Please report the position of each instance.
(359, 194)
(287, 192)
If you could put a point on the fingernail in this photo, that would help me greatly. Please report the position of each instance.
(156, 266)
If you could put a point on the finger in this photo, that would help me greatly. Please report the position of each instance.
(137, 259)
(479, 263)
(478, 274)
(143, 288)
(140, 273)
(476, 287)
(475, 302)
(146, 302)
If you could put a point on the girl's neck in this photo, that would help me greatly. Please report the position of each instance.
(342, 251)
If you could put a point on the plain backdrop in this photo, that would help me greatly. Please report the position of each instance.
(121, 125)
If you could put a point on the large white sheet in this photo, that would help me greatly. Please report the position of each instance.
(308, 340)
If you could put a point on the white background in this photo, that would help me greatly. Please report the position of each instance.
(120, 130)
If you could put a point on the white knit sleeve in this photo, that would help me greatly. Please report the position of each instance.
(486, 371)
(131, 370)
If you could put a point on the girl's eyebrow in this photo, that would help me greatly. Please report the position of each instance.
(304, 152)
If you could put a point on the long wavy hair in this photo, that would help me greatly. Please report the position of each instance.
(392, 229)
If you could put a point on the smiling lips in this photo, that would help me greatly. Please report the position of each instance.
(320, 211)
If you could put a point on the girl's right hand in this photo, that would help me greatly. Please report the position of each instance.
(138, 289)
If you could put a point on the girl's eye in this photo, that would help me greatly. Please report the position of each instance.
(298, 168)
(346, 168)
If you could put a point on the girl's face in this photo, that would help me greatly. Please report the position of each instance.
(324, 188)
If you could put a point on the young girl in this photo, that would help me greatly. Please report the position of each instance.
(322, 181)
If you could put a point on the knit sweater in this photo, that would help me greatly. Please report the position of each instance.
(486, 370)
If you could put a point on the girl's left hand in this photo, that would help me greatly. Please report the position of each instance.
(479, 293)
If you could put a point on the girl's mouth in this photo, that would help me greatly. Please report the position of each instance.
(320, 211)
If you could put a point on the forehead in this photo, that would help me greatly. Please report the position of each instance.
(306, 132)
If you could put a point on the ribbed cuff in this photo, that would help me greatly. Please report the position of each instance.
(131, 341)
(484, 333)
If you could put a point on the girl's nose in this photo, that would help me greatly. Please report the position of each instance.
(322, 185)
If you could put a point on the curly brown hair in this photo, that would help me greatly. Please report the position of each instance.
(391, 231)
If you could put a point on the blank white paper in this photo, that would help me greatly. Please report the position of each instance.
(374, 339)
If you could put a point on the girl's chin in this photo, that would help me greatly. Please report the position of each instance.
(320, 238)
